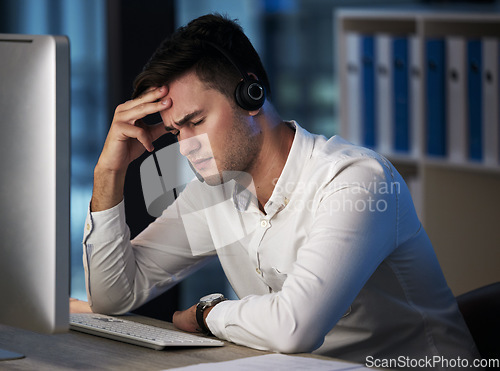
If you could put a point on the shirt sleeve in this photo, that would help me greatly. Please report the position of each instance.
(354, 229)
(122, 274)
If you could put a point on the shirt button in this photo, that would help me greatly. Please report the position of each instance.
(88, 226)
(264, 223)
(258, 270)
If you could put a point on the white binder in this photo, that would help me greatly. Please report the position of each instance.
(384, 93)
(353, 72)
(416, 96)
(490, 86)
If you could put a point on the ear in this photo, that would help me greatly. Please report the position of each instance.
(254, 113)
(253, 75)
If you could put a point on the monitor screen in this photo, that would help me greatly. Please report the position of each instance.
(35, 182)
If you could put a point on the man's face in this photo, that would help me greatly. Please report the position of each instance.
(216, 137)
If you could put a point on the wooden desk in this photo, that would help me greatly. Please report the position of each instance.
(75, 350)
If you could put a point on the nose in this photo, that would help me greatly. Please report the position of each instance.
(188, 146)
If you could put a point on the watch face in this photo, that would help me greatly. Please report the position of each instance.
(211, 298)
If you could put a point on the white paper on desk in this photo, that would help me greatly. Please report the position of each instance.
(275, 362)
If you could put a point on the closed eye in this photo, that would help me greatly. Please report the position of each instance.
(176, 132)
(197, 122)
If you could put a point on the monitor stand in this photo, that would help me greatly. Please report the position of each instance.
(7, 355)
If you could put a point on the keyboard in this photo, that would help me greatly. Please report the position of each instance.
(118, 328)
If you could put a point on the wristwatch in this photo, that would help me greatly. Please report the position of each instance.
(204, 303)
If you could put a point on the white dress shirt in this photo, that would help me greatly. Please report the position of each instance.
(338, 264)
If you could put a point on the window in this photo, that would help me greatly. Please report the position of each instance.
(84, 22)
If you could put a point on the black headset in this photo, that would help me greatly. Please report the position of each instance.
(250, 94)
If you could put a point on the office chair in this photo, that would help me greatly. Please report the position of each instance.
(136, 214)
(481, 311)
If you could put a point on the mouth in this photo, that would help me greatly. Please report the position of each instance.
(201, 163)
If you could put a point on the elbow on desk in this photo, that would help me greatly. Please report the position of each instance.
(292, 347)
(105, 308)
(111, 298)
(294, 339)
(103, 304)
(281, 327)
(294, 344)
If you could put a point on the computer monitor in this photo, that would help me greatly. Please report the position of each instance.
(35, 182)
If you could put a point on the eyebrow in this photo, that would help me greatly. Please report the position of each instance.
(185, 119)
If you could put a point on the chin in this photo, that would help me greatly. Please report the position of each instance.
(215, 179)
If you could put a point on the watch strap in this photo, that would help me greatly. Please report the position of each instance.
(200, 310)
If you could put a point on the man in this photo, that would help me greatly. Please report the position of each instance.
(319, 238)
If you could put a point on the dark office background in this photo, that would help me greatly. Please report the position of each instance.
(112, 39)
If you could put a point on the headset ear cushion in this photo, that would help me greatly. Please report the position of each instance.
(250, 94)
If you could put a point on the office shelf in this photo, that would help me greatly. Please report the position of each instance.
(448, 133)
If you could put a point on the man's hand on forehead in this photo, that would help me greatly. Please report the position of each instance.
(155, 94)
(128, 135)
(127, 139)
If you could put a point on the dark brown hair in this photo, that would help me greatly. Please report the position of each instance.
(187, 50)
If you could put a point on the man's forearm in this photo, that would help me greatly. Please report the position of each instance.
(109, 261)
(108, 189)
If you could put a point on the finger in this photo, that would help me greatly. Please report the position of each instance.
(151, 95)
(155, 130)
(140, 111)
(138, 133)
(177, 320)
(153, 88)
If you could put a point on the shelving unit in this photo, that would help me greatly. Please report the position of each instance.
(456, 195)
